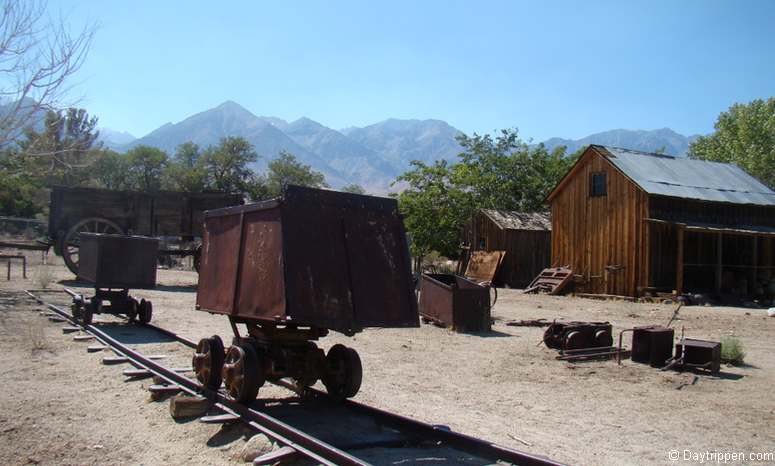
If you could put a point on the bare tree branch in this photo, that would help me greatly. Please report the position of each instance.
(37, 56)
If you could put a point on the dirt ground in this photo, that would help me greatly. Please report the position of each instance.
(501, 386)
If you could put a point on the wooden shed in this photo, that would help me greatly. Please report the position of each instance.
(526, 238)
(629, 222)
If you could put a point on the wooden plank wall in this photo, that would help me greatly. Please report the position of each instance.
(527, 252)
(591, 234)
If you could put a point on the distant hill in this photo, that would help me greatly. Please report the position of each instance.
(650, 141)
(401, 141)
(113, 139)
(231, 119)
(372, 156)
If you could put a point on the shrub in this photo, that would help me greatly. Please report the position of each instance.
(44, 276)
(732, 351)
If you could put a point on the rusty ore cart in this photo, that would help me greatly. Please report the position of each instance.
(292, 269)
(114, 264)
(158, 214)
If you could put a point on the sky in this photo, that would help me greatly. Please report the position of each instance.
(549, 68)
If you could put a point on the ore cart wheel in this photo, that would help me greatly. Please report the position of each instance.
(243, 373)
(603, 338)
(145, 312)
(70, 244)
(94, 306)
(208, 362)
(134, 308)
(344, 372)
(77, 309)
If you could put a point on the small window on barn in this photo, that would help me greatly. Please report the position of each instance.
(482, 243)
(597, 185)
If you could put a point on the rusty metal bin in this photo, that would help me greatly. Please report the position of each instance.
(699, 354)
(118, 261)
(652, 345)
(455, 301)
(314, 258)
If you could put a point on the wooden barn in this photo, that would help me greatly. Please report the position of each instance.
(526, 238)
(631, 222)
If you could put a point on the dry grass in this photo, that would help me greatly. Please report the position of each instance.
(36, 334)
(44, 276)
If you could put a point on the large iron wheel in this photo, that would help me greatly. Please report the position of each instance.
(70, 244)
(208, 362)
(94, 306)
(344, 372)
(243, 373)
(145, 311)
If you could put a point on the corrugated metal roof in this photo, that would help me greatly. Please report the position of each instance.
(686, 178)
(510, 220)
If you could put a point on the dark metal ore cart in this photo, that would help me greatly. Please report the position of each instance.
(292, 269)
(114, 264)
(171, 214)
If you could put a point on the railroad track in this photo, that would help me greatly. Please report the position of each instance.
(396, 432)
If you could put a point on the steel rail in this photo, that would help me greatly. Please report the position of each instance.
(283, 433)
(459, 440)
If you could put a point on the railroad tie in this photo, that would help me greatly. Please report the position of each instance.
(280, 455)
(110, 360)
(219, 419)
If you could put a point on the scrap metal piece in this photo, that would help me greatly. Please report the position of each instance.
(551, 281)
(578, 335)
(483, 265)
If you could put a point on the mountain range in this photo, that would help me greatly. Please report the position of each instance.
(372, 156)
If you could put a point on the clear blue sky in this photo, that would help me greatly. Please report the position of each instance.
(549, 68)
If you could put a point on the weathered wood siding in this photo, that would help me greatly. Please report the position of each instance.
(604, 239)
(527, 251)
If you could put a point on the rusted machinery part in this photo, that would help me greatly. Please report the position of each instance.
(619, 356)
(69, 244)
(145, 311)
(603, 337)
(344, 372)
(208, 362)
(243, 373)
(573, 340)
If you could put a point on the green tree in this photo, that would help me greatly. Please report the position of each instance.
(497, 172)
(111, 171)
(744, 135)
(353, 188)
(186, 171)
(62, 152)
(506, 173)
(435, 208)
(226, 165)
(286, 170)
(18, 190)
(145, 167)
